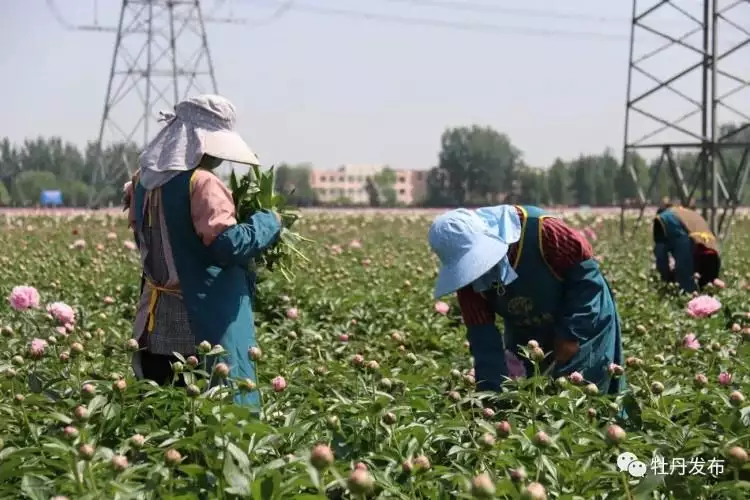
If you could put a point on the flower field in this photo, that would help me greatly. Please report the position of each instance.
(366, 381)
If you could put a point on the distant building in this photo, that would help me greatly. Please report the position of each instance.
(349, 181)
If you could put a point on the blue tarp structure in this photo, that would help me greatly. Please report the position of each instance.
(51, 198)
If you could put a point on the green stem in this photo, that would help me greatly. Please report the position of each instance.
(626, 486)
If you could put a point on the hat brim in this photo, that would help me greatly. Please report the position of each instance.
(228, 146)
(485, 253)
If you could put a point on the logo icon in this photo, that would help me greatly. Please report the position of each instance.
(628, 462)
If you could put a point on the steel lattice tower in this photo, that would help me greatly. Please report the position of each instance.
(682, 89)
(161, 56)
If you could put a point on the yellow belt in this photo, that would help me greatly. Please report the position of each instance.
(153, 299)
(702, 236)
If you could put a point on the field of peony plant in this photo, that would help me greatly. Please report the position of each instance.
(366, 381)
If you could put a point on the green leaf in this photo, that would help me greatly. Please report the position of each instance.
(35, 487)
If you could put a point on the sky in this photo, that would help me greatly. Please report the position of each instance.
(313, 84)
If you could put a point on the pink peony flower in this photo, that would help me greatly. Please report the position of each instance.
(24, 297)
(719, 283)
(78, 244)
(441, 307)
(690, 342)
(575, 378)
(516, 368)
(703, 306)
(355, 244)
(725, 378)
(37, 347)
(292, 313)
(130, 245)
(278, 384)
(62, 312)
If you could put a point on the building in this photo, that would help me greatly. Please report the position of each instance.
(348, 182)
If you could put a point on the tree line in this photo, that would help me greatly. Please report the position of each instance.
(476, 166)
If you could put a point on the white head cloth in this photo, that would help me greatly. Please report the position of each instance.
(200, 125)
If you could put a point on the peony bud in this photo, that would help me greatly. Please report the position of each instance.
(321, 456)
(482, 486)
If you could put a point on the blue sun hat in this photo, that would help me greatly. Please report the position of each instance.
(470, 243)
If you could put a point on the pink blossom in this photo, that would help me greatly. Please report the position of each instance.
(575, 378)
(78, 244)
(719, 283)
(336, 249)
(703, 306)
(441, 307)
(37, 347)
(516, 368)
(355, 244)
(690, 342)
(62, 312)
(344, 337)
(24, 297)
(130, 245)
(725, 378)
(292, 313)
(278, 384)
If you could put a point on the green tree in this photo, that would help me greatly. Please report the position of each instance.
(5, 199)
(476, 164)
(294, 182)
(384, 182)
(28, 186)
(558, 181)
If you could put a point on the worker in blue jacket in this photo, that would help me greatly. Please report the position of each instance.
(685, 236)
(540, 276)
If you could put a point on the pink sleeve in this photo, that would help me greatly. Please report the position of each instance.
(211, 206)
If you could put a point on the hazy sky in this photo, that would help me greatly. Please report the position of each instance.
(332, 88)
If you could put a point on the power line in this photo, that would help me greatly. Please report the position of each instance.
(500, 9)
(60, 19)
(437, 23)
(277, 14)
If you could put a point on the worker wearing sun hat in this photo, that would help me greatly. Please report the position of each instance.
(687, 237)
(540, 276)
(195, 254)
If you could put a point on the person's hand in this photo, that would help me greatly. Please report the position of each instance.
(565, 349)
(127, 194)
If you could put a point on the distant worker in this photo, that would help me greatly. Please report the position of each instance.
(541, 277)
(685, 236)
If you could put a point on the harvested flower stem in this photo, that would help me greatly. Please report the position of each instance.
(255, 191)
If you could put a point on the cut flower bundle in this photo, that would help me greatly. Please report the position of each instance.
(255, 191)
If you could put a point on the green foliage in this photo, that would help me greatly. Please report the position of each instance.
(39, 164)
(5, 199)
(480, 166)
(476, 166)
(255, 191)
(29, 184)
(421, 378)
(380, 190)
(294, 182)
